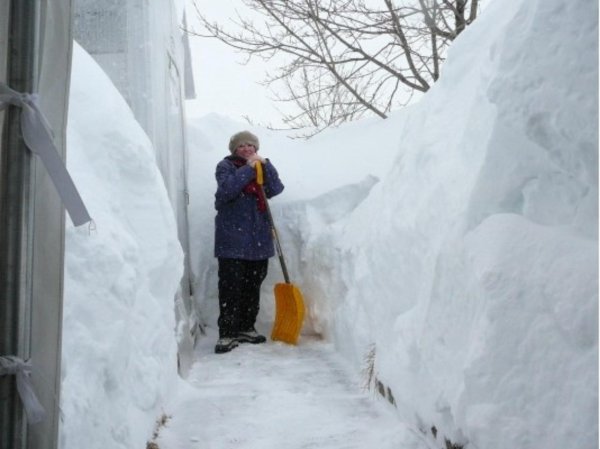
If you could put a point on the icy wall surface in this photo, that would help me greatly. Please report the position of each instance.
(119, 350)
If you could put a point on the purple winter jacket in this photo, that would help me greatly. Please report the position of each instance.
(241, 230)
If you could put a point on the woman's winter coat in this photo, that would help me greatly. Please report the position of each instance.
(242, 229)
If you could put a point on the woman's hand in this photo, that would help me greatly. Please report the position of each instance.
(252, 160)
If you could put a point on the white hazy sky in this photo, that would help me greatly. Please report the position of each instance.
(223, 83)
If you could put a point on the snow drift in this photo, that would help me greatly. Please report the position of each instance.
(472, 267)
(454, 246)
(457, 240)
(121, 276)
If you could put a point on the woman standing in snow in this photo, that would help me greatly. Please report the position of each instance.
(243, 240)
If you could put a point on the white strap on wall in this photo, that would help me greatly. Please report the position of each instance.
(38, 138)
(11, 365)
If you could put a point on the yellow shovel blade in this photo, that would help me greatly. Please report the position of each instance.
(289, 313)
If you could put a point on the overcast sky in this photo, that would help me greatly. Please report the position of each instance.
(223, 84)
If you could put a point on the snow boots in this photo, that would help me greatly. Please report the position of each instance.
(251, 337)
(228, 343)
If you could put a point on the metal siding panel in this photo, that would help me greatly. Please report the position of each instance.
(15, 216)
(48, 226)
(32, 230)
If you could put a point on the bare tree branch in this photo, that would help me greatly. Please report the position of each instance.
(340, 59)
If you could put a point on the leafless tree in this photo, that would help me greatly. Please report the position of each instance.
(344, 58)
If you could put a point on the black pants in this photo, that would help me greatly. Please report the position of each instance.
(239, 294)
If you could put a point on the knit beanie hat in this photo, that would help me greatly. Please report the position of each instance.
(242, 137)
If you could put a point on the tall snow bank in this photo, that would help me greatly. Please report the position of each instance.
(119, 349)
(472, 268)
(457, 239)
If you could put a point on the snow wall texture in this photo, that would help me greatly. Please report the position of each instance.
(466, 261)
(471, 269)
(119, 350)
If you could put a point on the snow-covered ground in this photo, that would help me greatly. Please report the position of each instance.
(459, 237)
(275, 395)
(454, 245)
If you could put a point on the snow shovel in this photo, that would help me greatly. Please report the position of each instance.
(289, 304)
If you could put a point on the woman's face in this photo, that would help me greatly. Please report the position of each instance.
(245, 150)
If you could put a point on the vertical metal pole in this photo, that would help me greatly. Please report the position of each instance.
(15, 219)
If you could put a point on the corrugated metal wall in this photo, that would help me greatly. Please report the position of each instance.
(35, 55)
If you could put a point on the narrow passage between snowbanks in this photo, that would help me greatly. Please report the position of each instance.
(279, 396)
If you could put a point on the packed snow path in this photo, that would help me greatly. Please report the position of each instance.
(274, 396)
